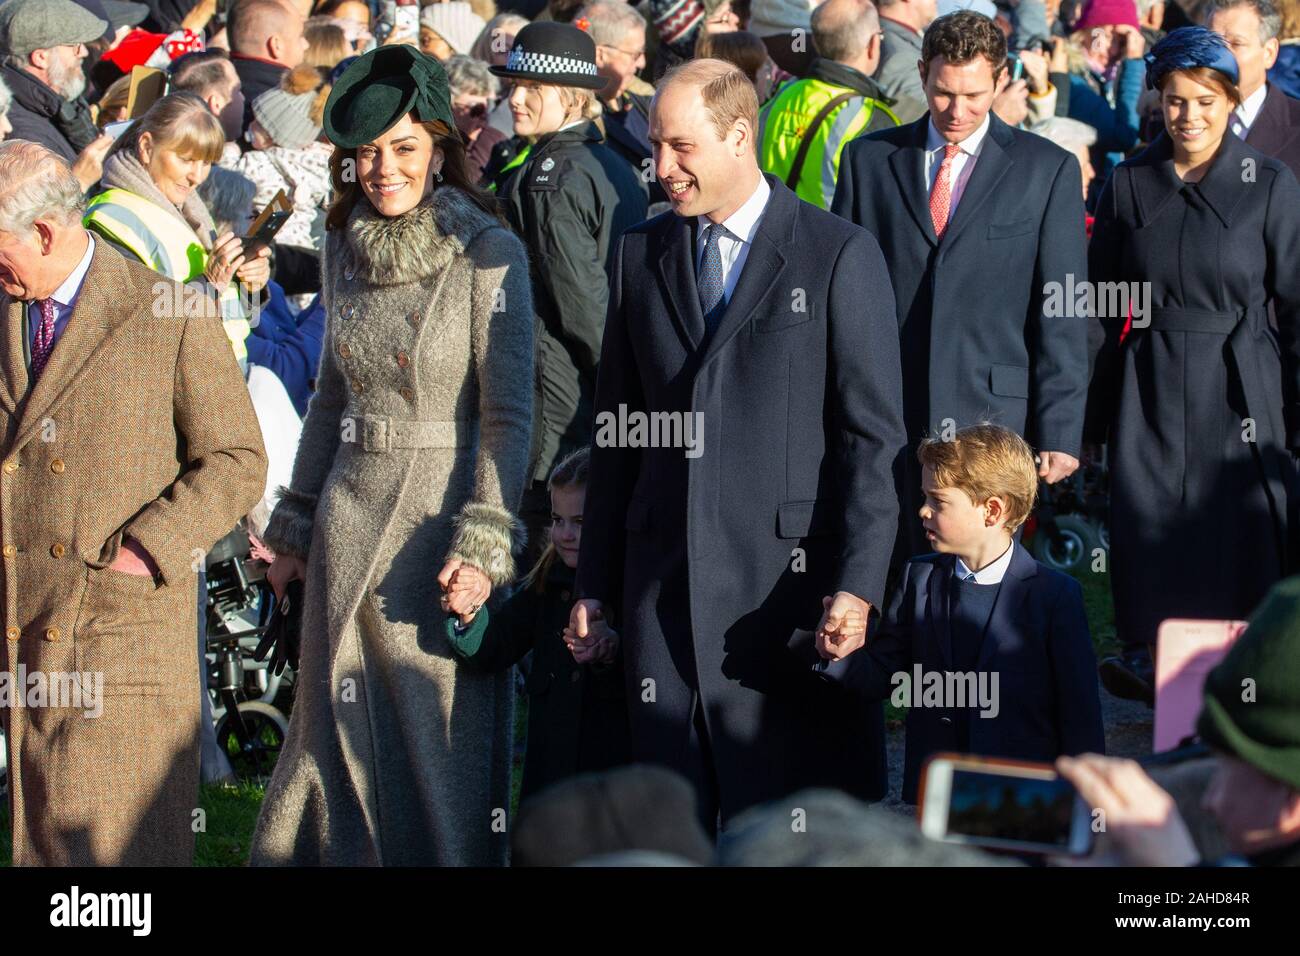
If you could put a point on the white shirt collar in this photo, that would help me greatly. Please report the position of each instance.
(742, 223)
(66, 292)
(992, 574)
(970, 145)
(1250, 106)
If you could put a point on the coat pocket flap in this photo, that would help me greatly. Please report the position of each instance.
(1010, 381)
(1005, 230)
(802, 519)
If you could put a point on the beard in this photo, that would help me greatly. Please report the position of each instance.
(66, 77)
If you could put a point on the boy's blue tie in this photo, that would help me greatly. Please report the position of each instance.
(712, 285)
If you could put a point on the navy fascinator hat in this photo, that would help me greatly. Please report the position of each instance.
(1187, 48)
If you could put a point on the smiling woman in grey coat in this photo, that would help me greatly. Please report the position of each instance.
(412, 462)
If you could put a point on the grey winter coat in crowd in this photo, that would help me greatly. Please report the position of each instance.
(413, 452)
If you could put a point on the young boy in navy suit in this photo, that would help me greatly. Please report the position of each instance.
(988, 648)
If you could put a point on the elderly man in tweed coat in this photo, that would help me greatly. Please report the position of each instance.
(129, 447)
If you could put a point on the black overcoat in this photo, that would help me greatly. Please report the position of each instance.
(714, 562)
(1199, 406)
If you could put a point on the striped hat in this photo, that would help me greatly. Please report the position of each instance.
(555, 53)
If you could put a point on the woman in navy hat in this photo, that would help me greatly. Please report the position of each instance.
(411, 464)
(1200, 400)
(569, 197)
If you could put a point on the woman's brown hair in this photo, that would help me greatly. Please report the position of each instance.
(571, 472)
(455, 172)
(181, 122)
(1208, 76)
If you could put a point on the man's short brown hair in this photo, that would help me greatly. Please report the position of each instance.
(728, 94)
(985, 461)
(962, 36)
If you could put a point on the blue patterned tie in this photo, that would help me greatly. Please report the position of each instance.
(711, 283)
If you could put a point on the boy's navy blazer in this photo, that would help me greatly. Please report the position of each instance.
(1037, 642)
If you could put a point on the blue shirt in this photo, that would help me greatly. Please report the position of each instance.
(65, 298)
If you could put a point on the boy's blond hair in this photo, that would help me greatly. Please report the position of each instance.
(986, 461)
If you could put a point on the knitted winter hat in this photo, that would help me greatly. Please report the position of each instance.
(1252, 698)
(291, 113)
(771, 17)
(1100, 13)
(456, 22)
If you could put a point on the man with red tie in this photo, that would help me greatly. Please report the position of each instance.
(982, 228)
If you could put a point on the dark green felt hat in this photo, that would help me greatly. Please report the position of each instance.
(380, 88)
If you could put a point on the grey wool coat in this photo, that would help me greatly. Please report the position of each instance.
(414, 450)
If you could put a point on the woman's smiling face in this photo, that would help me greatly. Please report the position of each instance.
(396, 170)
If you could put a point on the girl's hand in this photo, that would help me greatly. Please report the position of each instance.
(226, 257)
(465, 590)
(598, 647)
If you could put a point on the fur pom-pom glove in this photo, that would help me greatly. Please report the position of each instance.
(290, 527)
(488, 537)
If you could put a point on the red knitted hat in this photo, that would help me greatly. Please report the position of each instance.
(1100, 13)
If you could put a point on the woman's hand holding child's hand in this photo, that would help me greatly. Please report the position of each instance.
(466, 591)
(600, 646)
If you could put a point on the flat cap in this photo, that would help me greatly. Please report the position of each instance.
(27, 25)
(382, 86)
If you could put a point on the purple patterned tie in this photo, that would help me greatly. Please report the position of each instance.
(43, 344)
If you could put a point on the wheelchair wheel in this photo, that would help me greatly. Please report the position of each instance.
(254, 757)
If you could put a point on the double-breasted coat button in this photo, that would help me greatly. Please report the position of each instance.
(577, 676)
(349, 274)
(347, 311)
(10, 551)
(11, 467)
(407, 393)
(564, 595)
(358, 386)
(58, 550)
(414, 318)
(57, 466)
(12, 633)
(403, 359)
(345, 350)
(53, 633)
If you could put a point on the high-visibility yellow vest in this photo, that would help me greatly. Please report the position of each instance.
(785, 119)
(168, 246)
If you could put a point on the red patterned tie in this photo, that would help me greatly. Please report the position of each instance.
(941, 195)
(43, 344)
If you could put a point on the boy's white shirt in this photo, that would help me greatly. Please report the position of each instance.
(993, 574)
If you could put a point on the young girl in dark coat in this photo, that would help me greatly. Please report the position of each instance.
(577, 716)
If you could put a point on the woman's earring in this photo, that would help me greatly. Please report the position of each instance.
(438, 175)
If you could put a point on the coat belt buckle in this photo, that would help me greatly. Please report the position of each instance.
(376, 435)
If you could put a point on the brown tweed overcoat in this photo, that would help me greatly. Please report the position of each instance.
(414, 450)
(139, 425)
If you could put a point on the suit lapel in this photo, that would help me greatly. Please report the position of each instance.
(940, 624)
(1271, 128)
(13, 364)
(1008, 604)
(908, 166)
(677, 273)
(991, 165)
(97, 313)
(763, 265)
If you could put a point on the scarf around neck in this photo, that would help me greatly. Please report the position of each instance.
(125, 171)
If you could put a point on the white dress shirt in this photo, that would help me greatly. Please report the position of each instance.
(963, 164)
(742, 224)
(1243, 117)
(65, 298)
(991, 574)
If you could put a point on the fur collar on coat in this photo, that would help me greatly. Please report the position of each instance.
(393, 250)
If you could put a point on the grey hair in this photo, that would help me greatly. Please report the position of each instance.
(470, 77)
(841, 33)
(37, 184)
(228, 196)
(1270, 19)
(611, 20)
(1067, 133)
(510, 23)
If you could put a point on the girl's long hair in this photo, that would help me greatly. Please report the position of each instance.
(455, 172)
(569, 473)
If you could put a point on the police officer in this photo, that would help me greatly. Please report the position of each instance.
(569, 198)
